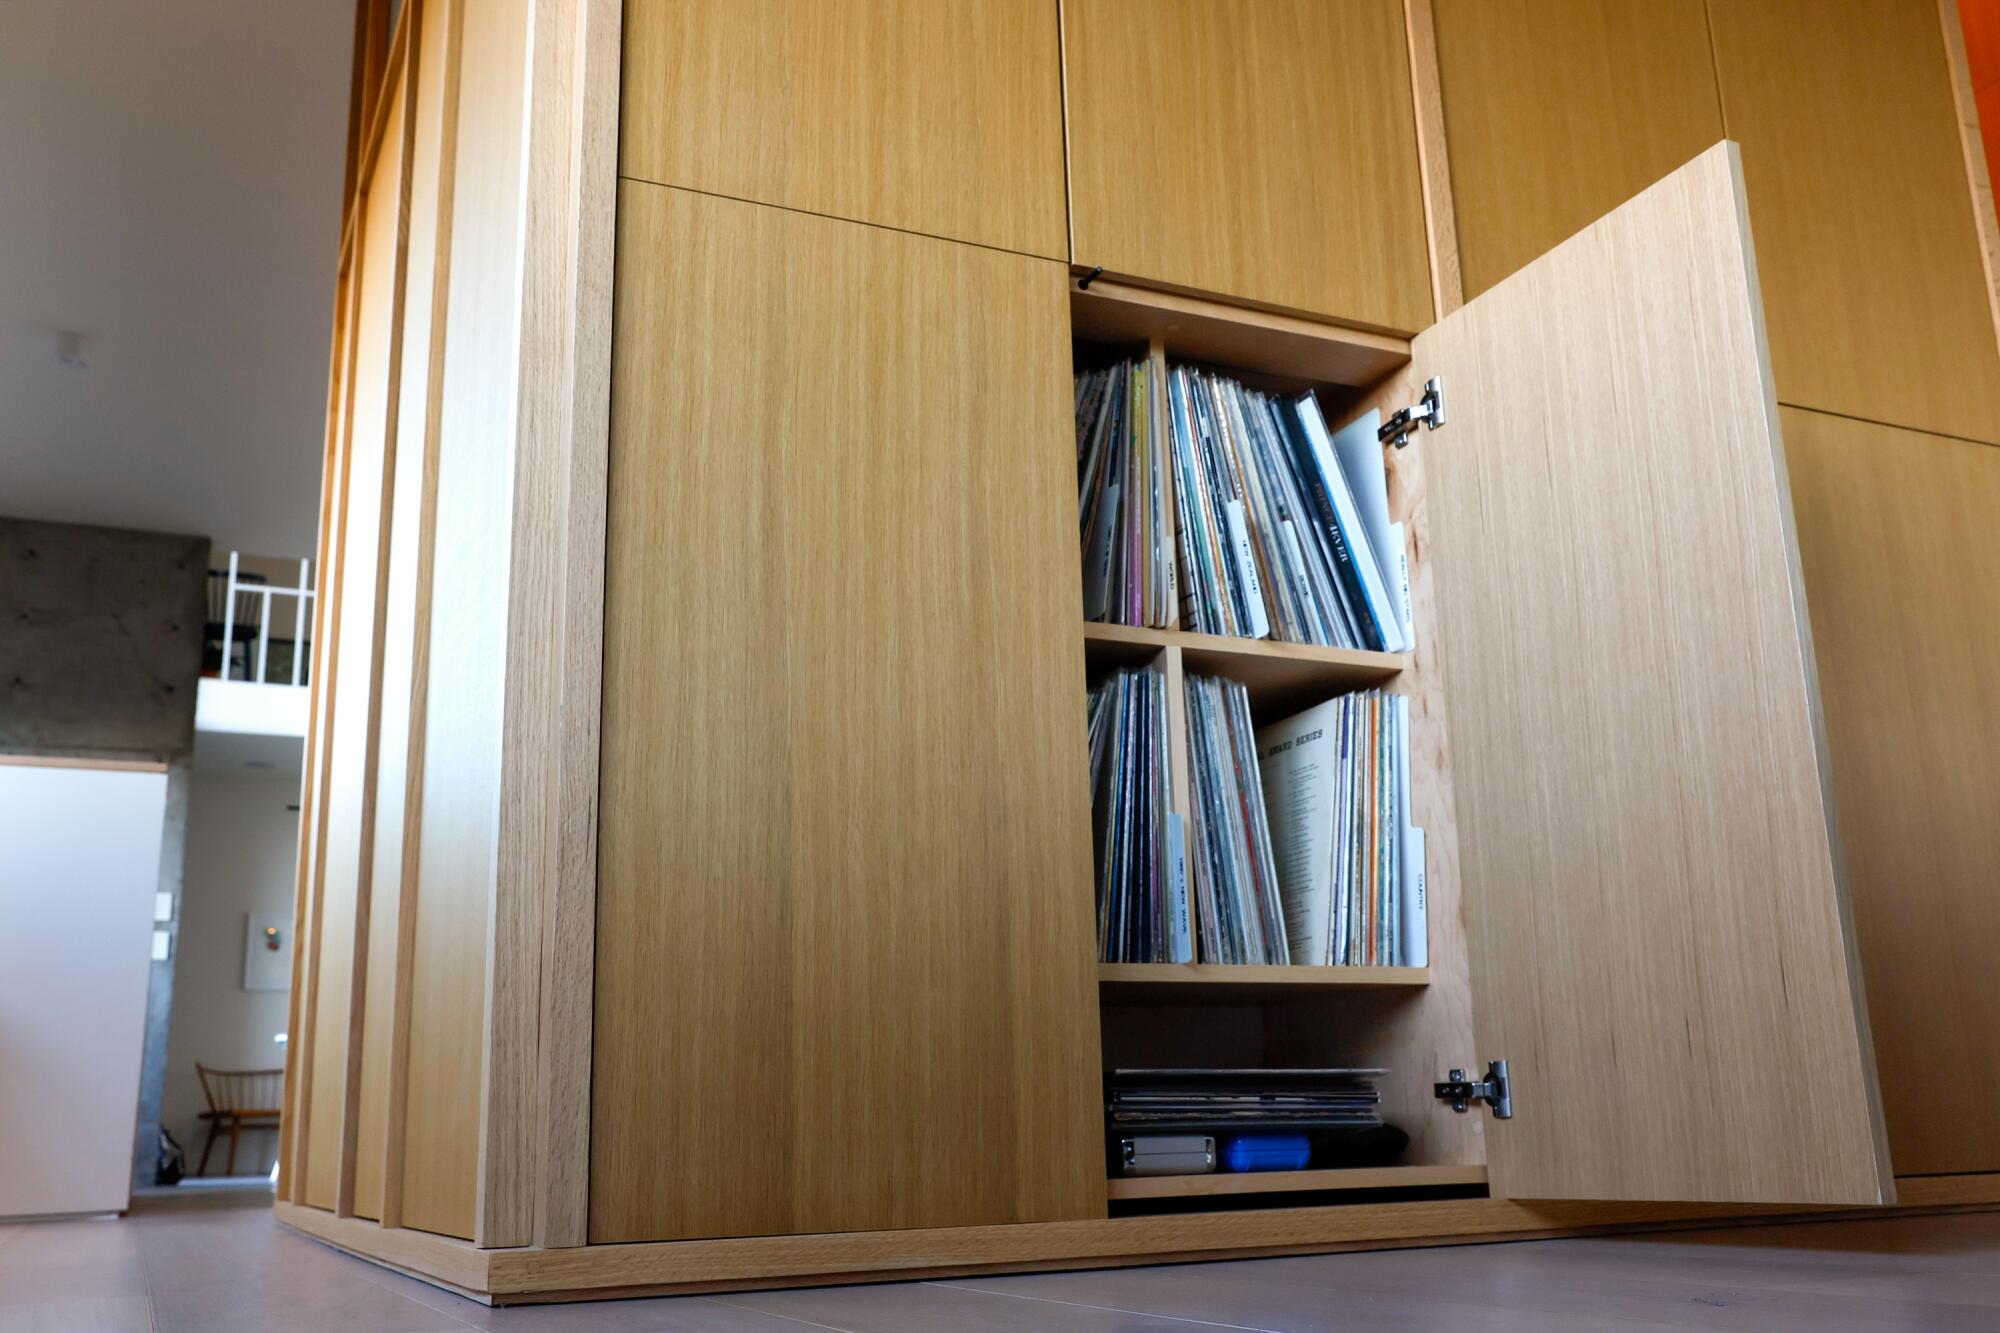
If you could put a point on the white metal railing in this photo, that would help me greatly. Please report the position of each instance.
(301, 596)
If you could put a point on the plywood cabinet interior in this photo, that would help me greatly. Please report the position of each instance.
(1873, 282)
(1265, 152)
(1901, 552)
(1557, 111)
(844, 975)
(937, 118)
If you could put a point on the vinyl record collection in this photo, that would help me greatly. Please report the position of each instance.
(1237, 900)
(1207, 506)
(1336, 783)
(1301, 848)
(1141, 867)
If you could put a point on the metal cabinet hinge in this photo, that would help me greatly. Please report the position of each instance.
(1493, 1090)
(1429, 410)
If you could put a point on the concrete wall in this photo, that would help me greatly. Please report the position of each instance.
(101, 647)
(242, 845)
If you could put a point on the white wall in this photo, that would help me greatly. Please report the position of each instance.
(79, 866)
(242, 848)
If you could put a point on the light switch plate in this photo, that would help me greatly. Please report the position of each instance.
(160, 943)
(163, 907)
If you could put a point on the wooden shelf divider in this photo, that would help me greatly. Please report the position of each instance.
(1290, 1182)
(1282, 677)
(1220, 981)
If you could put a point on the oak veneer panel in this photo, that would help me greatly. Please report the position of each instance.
(457, 839)
(937, 118)
(351, 728)
(1657, 915)
(1898, 537)
(1873, 280)
(405, 617)
(844, 944)
(1262, 151)
(1557, 111)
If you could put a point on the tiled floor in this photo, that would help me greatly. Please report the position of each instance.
(217, 1263)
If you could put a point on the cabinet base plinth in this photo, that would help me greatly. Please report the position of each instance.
(603, 1272)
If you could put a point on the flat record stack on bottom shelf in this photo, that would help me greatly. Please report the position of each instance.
(1222, 1101)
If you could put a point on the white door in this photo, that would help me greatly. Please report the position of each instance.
(79, 865)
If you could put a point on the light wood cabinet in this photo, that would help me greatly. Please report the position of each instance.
(1557, 111)
(747, 813)
(944, 119)
(1874, 286)
(1902, 557)
(1265, 152)
(843, 973)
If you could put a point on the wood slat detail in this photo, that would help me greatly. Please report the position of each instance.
(458, 837)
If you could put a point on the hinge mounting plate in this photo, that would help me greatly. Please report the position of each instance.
(1494, 1090)
(1429, 410)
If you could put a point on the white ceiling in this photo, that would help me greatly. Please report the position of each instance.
(170, 177)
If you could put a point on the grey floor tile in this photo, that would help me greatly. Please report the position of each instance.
(102, 1314)
(924, 1307)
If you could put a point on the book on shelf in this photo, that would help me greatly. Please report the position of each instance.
(1336, 780)
(1208, 506)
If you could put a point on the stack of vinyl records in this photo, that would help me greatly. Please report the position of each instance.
(1237, 903)
(1125, 498)
(1240, 509)
(1141, 865)
(1235, 1101)
(1350, 865)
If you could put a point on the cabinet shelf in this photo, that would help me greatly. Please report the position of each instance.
(1291, 1182)
(1281, 677)
(1218, 981)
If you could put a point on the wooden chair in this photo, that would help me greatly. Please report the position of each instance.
(238, 1099)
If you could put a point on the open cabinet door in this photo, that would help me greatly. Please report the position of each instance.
(1657, 920)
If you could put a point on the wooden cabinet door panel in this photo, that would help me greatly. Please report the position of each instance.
(1557, 111)
(1263, 151)
(1901, 549)
(1656, 911)
(1873, 280)
(844, 952)
(942, 118)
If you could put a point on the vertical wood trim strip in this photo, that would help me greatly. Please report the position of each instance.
(533, 791)
(1966, 104)
(569, 925)
(295, 1048)
(326, 671)
(399, 67)
(1069, 185)
(413, 792)
(1433, 159)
